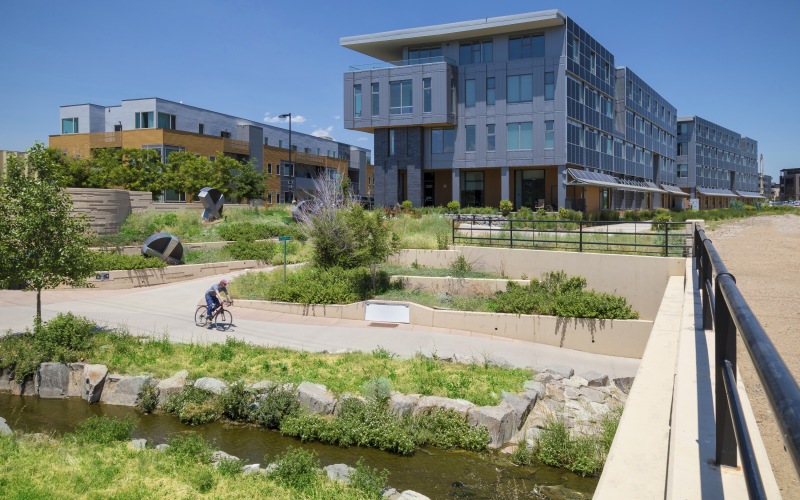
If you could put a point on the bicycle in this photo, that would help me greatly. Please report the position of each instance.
(221, 318)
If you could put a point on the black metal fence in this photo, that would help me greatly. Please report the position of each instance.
(726, 312)
(673, 239)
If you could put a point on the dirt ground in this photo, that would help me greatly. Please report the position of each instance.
(763, 253)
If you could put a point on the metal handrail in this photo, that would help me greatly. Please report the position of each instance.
(726, 312)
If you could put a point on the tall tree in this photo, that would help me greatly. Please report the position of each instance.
(42, 243)
(249, 183)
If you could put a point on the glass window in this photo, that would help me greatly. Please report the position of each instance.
(490, 91)
(593, 62)
(424, 55)
(519, 136)
(519, 88)
(609, 109)
(144, 119)
(391, 142)
(376, 99)
(475, 52)
(426, 95)
(609, 146)
(549, 85)
(166, 121)
(201, 129)
(469, 94)
(69, 125)
(400, 97)
(525, 47)
(607, 76)
(490, 137)
(574, 49)
(470, 129)
(683, 170)
(269, 168)
(549, 134)
(443, 140)
(357, 101)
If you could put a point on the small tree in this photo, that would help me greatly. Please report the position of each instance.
(42, 243)
(249, 183)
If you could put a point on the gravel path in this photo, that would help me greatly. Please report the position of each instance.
(763, 253)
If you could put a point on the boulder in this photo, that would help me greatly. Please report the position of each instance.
(5, 380)
(522, 407)
(123, 390)
(211, 385)
(412, 495)
(264, 386)
(592, 395)
(316, 398)
(162, 447)
(563, 371)
(539, 387)
(94, 381)
(219, 456)
(624, 384)
(544, 377)
(403, 404)
(575, 381)
(172, 385)
(389, 493)
(571, 393)
(137, 444)
(52, 380)
(428, 403)
(4, 428)
(26, 388)
(338, 472)
(555, 392)
(499, 420)
(251, 469)
(75, 384)
(595, 379)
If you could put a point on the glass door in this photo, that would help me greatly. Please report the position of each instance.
(529, 188)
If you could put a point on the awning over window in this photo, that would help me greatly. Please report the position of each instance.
(715, 192)
(674, 190)
(583, 178)
(749, 194)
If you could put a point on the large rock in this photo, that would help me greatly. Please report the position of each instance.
(4, 428)
(94, 381)
(403, 404)
(412, 495)
(624, 384)
(575, 381)
(593, 395)
(338, 472)
(522, 407)
(26, 388)
(211, 385)
(123, 390)
(539, 387)
(172, 385)
(316, 398)
(52, 380)
(219, 456)
(428, 403)
(5, 380)
(499, 420)
(75, 384)
(564, 371)
(595, 379)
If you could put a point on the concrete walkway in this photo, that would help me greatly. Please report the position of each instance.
(169, 310)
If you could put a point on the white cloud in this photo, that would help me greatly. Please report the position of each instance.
(268, 118)
(337, 117)
(323, 132)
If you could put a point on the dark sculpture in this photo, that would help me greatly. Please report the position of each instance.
(213, 200)
(164, 246)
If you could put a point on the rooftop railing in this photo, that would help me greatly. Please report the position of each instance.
(726, 312)
(406, 62)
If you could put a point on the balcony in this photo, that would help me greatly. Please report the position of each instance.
(105, 140)
(398, 64)
(235, 146)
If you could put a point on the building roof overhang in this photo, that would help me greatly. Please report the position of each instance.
(388, 45)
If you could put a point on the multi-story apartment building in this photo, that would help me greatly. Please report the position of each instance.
(528, 108)
(167, 126)
(790, 184)
(715, 164)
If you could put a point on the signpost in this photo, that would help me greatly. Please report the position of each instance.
(284, 239)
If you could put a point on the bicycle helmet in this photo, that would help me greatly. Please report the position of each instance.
(223, 281)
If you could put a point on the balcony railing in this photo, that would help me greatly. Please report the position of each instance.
(235, 146)
(105, 140)
(406, 62)
(726, 312)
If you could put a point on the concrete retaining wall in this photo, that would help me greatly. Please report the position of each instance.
(170, 274)
(105, 208)
(640, 279)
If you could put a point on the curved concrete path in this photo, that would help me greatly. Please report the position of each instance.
(169, 310)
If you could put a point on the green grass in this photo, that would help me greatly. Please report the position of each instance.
(440, 300)
(426, 232)
(50, 467)
(436, 272)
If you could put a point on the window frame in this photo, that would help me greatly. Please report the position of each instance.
(375, 87)
(73, 125)
(519, 88)
(519, 130)
(399, 89)
(357, 102)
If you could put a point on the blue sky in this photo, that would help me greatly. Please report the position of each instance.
(734, 62)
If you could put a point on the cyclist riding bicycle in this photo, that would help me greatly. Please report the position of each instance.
(214, 299)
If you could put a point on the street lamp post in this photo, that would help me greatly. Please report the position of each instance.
(291, 165)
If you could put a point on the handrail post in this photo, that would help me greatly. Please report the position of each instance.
(666, 239)
(705, 276)
(511, 233)
(580, 244)
(724, 350)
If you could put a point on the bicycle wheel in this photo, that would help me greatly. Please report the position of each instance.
(200, 316)
(223, 320)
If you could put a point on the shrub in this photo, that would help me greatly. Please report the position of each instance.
(148, 397)
(351, 237)
(193, 406)
(406, 205)
(237, 402)
(460, 265)
(523, 455)
(314, 285)
(377, 389)
(242, 231)
(104, 430)
(274, 406)
(659, 220)
(442, 240)
(453, 207)
(368, 480)
(202, 480)
(448, 429)
(506, 207)
(251, 250)
(230, 466)
(189, 447)
(104, 261)
(296, 468)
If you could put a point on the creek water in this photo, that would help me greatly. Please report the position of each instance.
(431, 471)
